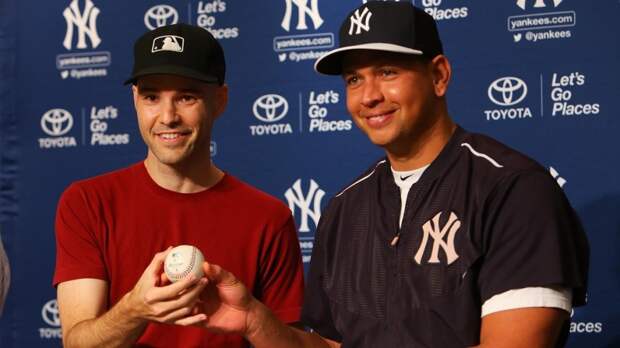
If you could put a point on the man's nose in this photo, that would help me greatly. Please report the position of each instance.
(169, 114)
(372, 94)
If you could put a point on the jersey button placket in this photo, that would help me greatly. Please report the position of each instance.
(393, 281)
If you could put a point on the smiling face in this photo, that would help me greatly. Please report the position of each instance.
(175, 116)
(394, 98)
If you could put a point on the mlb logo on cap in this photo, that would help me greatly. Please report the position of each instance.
(168, 43)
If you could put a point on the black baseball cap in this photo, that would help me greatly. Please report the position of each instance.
(384, 26)
(179, 49)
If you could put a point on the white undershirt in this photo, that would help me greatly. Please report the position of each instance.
(404, 180)
(555, 297)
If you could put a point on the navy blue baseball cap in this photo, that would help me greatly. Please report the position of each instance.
(179, 49)
(384, 26)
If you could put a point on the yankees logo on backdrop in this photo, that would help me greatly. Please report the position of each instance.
(538, 3)
(356, 21)
(309, 205)
(303, 10)
(85, 22)
(433, 229)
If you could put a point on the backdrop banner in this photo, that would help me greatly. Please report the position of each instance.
(538, 75)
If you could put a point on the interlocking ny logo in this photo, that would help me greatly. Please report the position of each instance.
(160, 15)
(356, 21)
(302, 11)
(432, 228)
(86, 23)
(538, 3)
(309, 205)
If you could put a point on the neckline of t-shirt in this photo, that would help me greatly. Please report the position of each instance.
(146, 179)
(408, 177)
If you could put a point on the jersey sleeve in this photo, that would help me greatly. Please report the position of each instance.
(532, 238)
(316, 313)
(556, 297)
(78, 254)
(281, 276)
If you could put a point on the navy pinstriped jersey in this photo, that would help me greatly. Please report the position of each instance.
(482, 219)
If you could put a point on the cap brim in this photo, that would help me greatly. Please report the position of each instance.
(331, 62)
(173, 70)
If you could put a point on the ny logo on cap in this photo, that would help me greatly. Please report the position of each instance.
(168, 43)
(356, 21)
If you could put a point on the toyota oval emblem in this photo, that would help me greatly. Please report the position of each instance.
(507, 91)
(50, 314)
(56, 122)
(270, 108)
(160, 15)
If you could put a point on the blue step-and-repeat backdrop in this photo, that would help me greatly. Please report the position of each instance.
(539, 75)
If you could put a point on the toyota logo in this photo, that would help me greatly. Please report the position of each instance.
(49, 313)
(270, 108)
(507, 91)
(56, 122)
(160, 15)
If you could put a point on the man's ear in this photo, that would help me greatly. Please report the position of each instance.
(442, 71)
(221, 99)
(134, 90)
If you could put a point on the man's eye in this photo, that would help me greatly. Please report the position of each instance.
(388, 72)
(150, 97)
(187, 99)
(352, 80)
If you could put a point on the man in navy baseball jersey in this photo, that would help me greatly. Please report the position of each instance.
(452, 240)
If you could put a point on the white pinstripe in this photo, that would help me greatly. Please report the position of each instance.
(362, 179)
(486, 157)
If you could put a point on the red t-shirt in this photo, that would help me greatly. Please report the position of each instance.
(110, 227)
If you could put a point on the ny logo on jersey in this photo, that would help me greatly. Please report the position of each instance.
(86, 23)
(309, 205)
(433, 229)
(356, 21)
(302, 11)
(538, 3)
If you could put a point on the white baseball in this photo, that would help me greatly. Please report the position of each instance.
(182, 261)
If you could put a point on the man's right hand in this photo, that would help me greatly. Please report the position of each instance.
(225, 302)
(87, 321)
(153, 298)
(230, 308)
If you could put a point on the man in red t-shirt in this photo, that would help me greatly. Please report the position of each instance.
(111, 290)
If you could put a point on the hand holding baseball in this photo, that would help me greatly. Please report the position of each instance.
(152, 299)
(225, 301)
